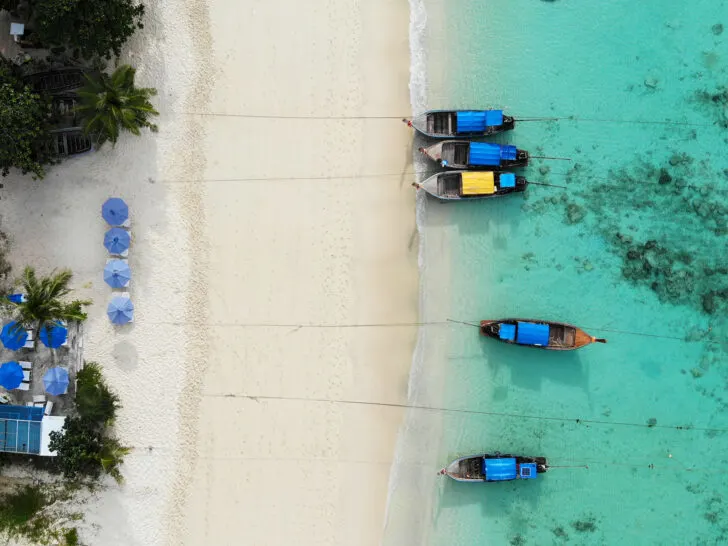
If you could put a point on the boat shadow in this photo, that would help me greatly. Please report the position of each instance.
(530, 367)
(495, 500)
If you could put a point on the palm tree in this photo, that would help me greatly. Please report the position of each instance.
(44, 303)
(112, 456)
(112, 103)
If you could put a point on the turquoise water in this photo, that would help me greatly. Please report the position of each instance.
(636, 243)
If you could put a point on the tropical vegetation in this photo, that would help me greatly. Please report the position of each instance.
(46, 300)
(112, 103)
(88, 28)
(85, 448)
(24, 130)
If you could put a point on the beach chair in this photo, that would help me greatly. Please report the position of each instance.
(48, 408)
(25, 365)
(29, 342)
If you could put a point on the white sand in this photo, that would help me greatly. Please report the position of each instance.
(211, 257)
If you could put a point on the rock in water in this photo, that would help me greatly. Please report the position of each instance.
(717, 29)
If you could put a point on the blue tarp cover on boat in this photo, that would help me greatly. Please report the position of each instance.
(476, 121)
(530, 333)
(498, 470)
(485, 153)
(507, 332)
(493, 117)
(527, 471)
(508, 152)
(507, 180)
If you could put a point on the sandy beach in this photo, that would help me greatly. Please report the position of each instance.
(225, 267)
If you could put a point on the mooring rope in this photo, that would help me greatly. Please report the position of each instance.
(575, 420)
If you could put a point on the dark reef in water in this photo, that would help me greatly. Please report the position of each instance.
(715, 103)
(666, 221)
(586, 525)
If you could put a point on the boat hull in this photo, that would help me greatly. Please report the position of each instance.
(442, 153)
(562, 336)
(424, 124)
(469, 469)
(435, 187)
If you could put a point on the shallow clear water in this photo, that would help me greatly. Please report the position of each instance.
(636, 243)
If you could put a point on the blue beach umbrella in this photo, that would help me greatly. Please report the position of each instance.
(117, 240)
(13, 336)
(117, 273)
(53, 336)
(11, 375)
(115, 211)
(55, 381)
(120, 310)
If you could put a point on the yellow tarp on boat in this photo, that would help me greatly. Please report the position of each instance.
(478, 183)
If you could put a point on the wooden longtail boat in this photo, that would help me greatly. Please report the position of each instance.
(461, 123)
(495, 467)
(69, 141)
(468, 185)
(481, 156)
(555, 336)
(61, 80)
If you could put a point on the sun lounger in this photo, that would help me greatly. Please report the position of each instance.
(26, 376)
(25, 364)
(29, 342)
(48, 407)
(24, 386)
(29, 404)
(39, 398)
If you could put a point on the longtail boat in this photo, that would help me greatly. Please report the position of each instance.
(60, 80)
(495, 467)
(468, 185)
(463, 154)
(461, 123)
(555, 336)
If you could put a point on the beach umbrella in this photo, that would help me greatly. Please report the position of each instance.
(117, 273)
(115, 211)
(11, 375)
(120, 310)
(13, 336)
(17, 298)
(117, 240)
(55, 381)
(54, 336)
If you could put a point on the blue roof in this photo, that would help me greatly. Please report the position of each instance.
(26, 413)
(20, 429)
(527, 471)
(498, 470)
(476, 121)
(507, 332)
(486, 153)
(530, 333)
(20, 436)
(507, 180)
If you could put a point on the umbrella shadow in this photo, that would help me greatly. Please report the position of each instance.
(125, 355)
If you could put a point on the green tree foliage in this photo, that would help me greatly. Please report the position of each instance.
(24, 131)
(89, 28)
(78, 447)
(84, 450)
(110, 104)
(45, 300)
(94, 399)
